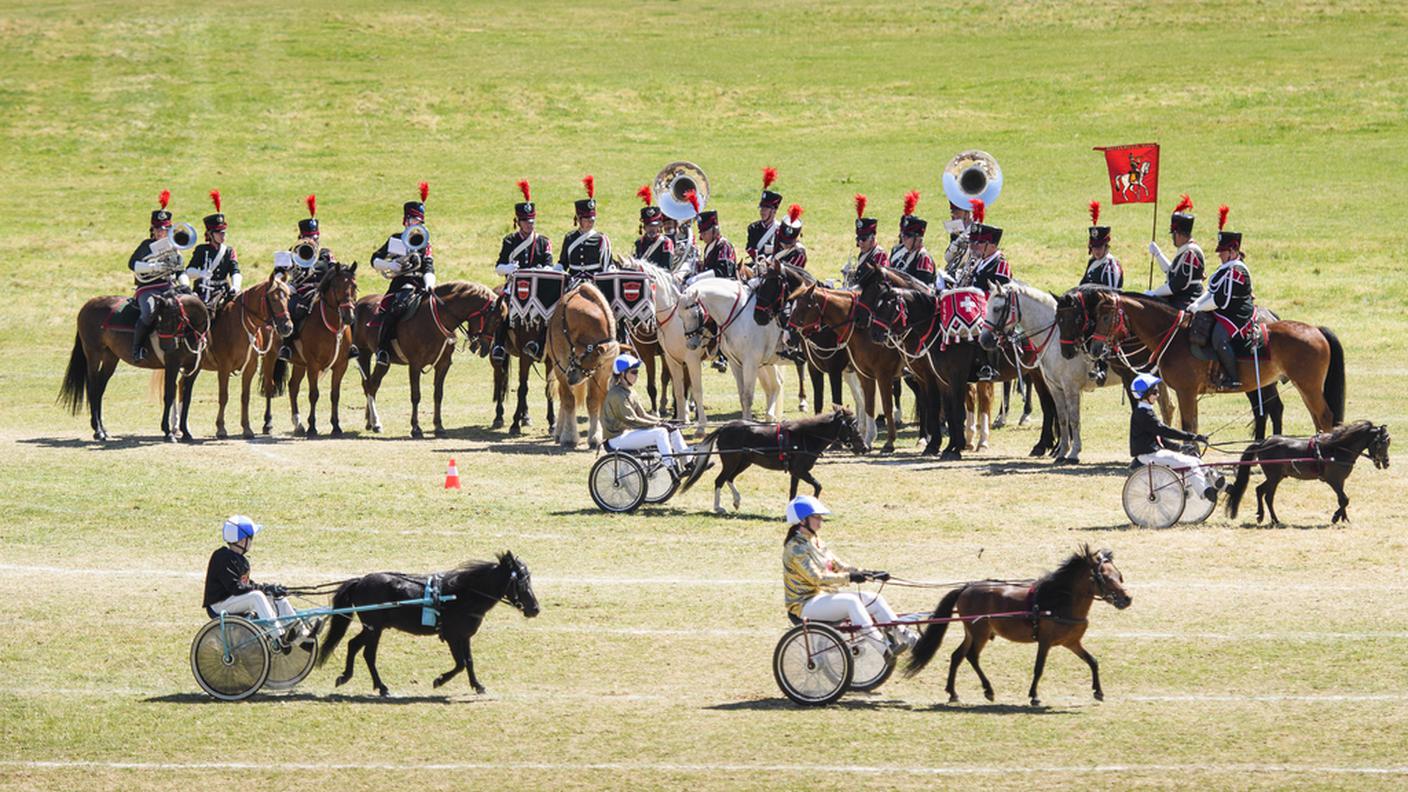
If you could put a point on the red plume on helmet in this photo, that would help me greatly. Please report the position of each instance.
(312, 202)
(424, 191)
(769, 176)
(693, 198)
(980, 210)
(525, 189)
(1095, 213)
(911, 200)
(645, 194)
(861, 201)
(215, 199)
(589, 181)
(1222, 212)
(794, 213)
(164, 198)
(1184, 204)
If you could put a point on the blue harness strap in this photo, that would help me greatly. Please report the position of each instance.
(430, 612)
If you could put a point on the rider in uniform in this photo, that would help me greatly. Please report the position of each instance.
(790, 250)
(1230, 295)
(990, 270)
(956, 254)
(871, 254)
(228, 588)
(911, 200)
(912, 258)
(718, 261)
(524, 248)
(412, 274)
(214, 269)
(303, 278)
(585, 250)
(653, 245)
(762, 233)
(1185, 271)
(155, 275)
(1102, 270)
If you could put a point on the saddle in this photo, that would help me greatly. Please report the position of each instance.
(123, 318)
(1245, 339)
(961, 313)
(400, 303)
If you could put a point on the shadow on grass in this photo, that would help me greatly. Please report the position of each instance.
(648, 510)
(1032, 466)
(875, 703)
(995, 709)
(328, 698)
(112, 444)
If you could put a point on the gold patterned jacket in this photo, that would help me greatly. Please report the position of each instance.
(810, 568)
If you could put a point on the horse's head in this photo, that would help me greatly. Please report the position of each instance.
(692, 318)
(1108, 323)
(339, 287)
(771, 295)
(848, 430)
(1108, 581)
(1073, 321)
(885, 310)
(476, 308)
(519, 592)
(1000, 318)
(277, 295)
(174, 324)
(1378, 447)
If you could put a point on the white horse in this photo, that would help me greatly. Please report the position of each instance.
(674, 324)
(752, 349)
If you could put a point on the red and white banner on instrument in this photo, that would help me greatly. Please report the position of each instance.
(1134, 172)
(961, 313)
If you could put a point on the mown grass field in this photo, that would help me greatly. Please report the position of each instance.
(1251, 657)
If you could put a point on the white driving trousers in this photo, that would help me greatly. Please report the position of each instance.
(1195, 476)
(665, 441)
(858, 608)
(256, 602)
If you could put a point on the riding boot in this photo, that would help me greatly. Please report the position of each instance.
(286, 346)
(499, 352)
(140, 333)
(988, 372)
(534, 348)
(384, 338)
(1228, 360)
(721, 363)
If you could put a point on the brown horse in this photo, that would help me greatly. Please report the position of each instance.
(424, 340)
(241, 333)
(179, 336)
(1332, 456)
(581, 348)
(1050, 611)
(1310, 356)
(515, 341)
(324, 344)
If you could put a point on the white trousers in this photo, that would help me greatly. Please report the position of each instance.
(256, 602)
(858, 608)
(665, 441)
(1195, 475)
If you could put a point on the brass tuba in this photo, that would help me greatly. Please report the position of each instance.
(305, 253)
(673, 182)
(972, 174)
(416, 237)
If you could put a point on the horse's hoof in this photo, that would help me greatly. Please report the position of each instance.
(417, 434)
(336, 432)
(101, 437)
(983, 446)
(953, 698)
(247, 434)
(383, 692)
(268, 429)
(1036, 702)
(221, 434)
(999, 423)
(312, 432)
(340, 681)
(300, 430)
(497, 424)
(568, 445)
(480, 689)
(441, 433)
(438, 682)
(515, 431)
(170, 437)
(1099, 695)
(950, 456)
(1038, 452)
(1025, 419)
(987, 694)
(527, 421)
(720, 510)
(376, 428)
(187, 437)
(888, 448)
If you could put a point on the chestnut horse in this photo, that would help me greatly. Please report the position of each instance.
(424, 340)
(324, 344)
(1310, 356)
(241, 333)
(825, 354)
(180, 328)
(1050, 611)
(581, 349)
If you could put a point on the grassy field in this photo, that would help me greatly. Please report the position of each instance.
(1251, 657)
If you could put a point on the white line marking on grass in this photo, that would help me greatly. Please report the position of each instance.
(702, 768)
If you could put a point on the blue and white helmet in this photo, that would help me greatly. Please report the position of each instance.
(625, 363)
(804, 506)
(1142, 383)
(239, 527)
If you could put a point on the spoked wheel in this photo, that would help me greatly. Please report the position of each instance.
(230, 661)
(812, 665)
(661, 481)
(1153, 496)
(287, 670)
(1196, 508)
(618, 483)
(872, 665)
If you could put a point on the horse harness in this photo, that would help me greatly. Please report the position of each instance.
(1012, 317)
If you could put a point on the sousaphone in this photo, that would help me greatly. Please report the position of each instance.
(673, 182)
(972, 174)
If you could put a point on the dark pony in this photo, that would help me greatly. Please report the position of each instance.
(1050, 611)
(1333, 453)
(476, 587)
(793, 446)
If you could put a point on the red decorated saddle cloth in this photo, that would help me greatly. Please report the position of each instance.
(630, 296)
(533, 293)
(961, 313)
(1249, 335)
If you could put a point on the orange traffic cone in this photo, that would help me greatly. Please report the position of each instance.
(452, 476)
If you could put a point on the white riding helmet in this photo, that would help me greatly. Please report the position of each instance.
(239, 527)
(624, 363)
(804, 506)
(1142, 383)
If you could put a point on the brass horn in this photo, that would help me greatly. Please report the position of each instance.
(184, 236)
(416, 237)
(672, 184)
(972, 174)
(305, 253)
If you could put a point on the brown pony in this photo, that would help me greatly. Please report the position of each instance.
(1050, 611)
(1310, 356)
(424, 340)
(324, 344)
(581, 348)
(241, 333)
(180, 328)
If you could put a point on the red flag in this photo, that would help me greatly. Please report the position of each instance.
(1134, 172)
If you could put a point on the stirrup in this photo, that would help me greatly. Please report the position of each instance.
(498, 353)
(285, 352)
(383, 358)
(987, 374)
(533, 350)
(139, 353)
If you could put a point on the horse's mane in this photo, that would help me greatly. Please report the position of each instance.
(1344, 432)
(474, 568)
(802, 275)
(812, 421)
(1040, 295)
(1054, 589)
(457, 288)
(1148, 302)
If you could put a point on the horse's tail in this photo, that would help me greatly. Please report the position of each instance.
(928, 644)
(75, 387)
(702, 452)
(1334, 378)
(342, 598)
(1239, 484)
(276, 380)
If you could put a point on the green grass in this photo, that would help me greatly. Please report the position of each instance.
(650, 664)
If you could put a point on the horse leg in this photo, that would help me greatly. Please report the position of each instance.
(955, 412)
(1026, 403)
(772, 380)
(339, 370)
(295, 379)
(371, 386)
(440, 372)
(187, 386)
(1337, 484)
(168, 398)
(353, 647)
(970, 415)
(469, 666)
(415, 403)
(567, 417)
(1188, 409)
(806, 475)
(802, 387)
(1260, 500)
(246, 384)
(745, 377)
(500, 390)
(1042, 647)
(520, 410)
(99, 372)
(696, 391)
(955, 660)
(887, 403)
(872, 429)
(980, 640)
(313, 394)
(1272, 482)
(1094, 669)
(984, 417)
(374, 640)
(1001, 420)
(456, 652)
(223, 380)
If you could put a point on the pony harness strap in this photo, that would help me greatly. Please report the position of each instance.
(430, 612)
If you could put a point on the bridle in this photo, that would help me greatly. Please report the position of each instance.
(809, 329)
(1011, 324)
(271, 320)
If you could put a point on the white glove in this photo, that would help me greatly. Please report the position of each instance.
(235, 281)
(429, 280)
(507, 268)
(386, 267)
(1162, 290)
(1204, 302)
(184, 280)
(147, 266)
(1159, 256)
